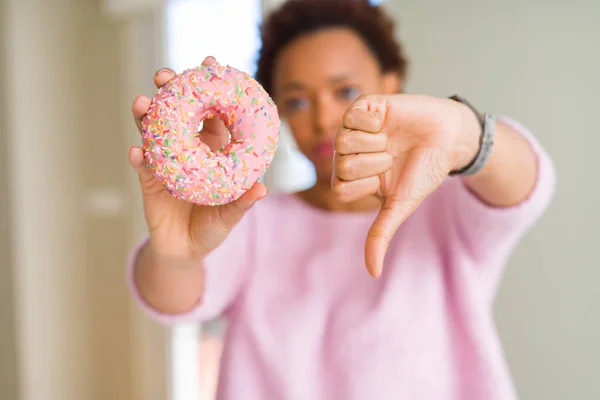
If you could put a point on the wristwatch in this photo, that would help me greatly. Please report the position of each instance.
(486, 141)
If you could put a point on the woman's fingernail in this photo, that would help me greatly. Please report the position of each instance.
(160, 71)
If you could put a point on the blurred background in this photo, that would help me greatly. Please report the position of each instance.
(70, 208)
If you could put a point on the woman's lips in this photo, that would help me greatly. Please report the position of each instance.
(324, 149)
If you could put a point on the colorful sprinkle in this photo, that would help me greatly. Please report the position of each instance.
(188, 169)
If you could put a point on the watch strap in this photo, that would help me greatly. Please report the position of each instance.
(486, 141)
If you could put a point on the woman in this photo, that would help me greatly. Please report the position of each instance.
(305, 322)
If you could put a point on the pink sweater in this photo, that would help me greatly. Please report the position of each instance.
(306, 322)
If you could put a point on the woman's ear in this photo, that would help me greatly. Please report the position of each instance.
(392, 83)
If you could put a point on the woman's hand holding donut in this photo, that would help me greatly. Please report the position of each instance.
(400, 147)
(169, 273)
(177, 228)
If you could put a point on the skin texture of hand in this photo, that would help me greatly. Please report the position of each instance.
(178, 228)
(400, 148)
(169, 273)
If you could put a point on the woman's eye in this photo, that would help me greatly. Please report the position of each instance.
(349, 93)
(296, 104)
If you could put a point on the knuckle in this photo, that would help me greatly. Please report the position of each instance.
(222, 221)
(345, 168)
(360, 104)
(151, 188)
(387, 160)
(343, 143)
(144, 178)
(379, 235)
(364, 98)
(341, 191)
(149, 184)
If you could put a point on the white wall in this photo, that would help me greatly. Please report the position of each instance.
(69, 74)
(538, 62)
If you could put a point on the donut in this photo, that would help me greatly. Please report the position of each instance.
(187, 167)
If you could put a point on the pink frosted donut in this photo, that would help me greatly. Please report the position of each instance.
(189, 170)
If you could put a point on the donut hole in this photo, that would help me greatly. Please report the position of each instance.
(213, 132)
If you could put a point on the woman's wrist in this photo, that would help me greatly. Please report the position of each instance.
(168, 285)
(151, 255)
(468, 140)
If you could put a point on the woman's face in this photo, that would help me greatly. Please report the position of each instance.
(316, 77)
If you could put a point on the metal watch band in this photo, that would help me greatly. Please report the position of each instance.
(486, 141)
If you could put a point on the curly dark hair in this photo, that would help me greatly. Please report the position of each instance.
(298, 17)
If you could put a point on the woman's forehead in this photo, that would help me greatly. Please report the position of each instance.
(327, 56)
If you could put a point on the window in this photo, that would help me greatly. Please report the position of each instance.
(225, 29)
(229, 31)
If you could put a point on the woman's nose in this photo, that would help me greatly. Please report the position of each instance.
(327, 116)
